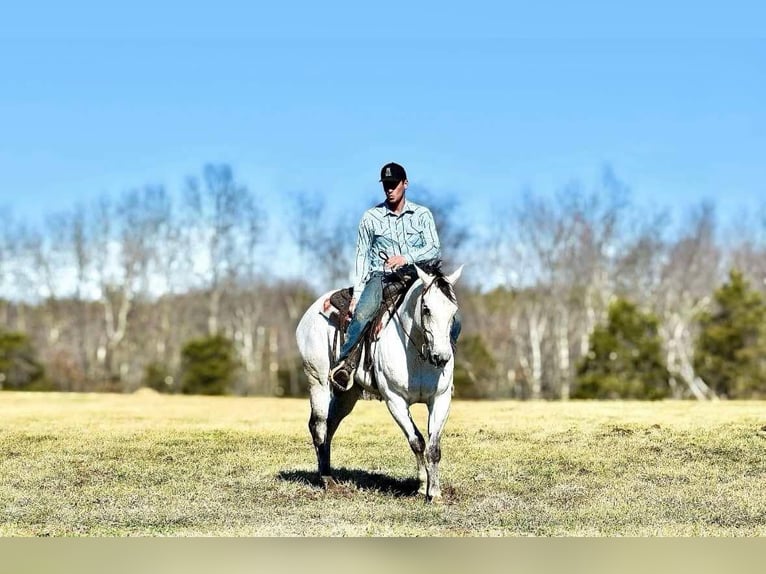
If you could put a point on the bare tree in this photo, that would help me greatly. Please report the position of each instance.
(325, 242)
(248, 306)
(747, 241)
(688, 276)
(561, 251)
(221, 214)
(138, 218)
(168, 270)
(521, 253)
(7, 249)
(79, 259)
(450, 223)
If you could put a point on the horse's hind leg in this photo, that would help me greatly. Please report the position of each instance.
(320, 397)
(330, 410)
(438, 411)
(341, 405)
(401, 413)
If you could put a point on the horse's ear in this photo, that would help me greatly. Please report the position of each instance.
(424, 277)
(455, 275)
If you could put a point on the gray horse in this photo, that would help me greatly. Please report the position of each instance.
(412, 360)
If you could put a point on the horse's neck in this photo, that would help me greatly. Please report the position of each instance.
(409, 306)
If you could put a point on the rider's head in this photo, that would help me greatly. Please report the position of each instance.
(391, 175)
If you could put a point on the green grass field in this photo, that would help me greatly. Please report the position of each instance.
(152, 465)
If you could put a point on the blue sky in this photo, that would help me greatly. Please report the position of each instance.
(478, 101)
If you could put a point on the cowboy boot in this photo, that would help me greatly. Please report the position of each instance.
(342, 374)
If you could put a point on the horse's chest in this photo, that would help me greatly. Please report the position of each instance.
(416, 386)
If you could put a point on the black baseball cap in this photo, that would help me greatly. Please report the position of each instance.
(392, 172)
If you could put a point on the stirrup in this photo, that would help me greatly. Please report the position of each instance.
(342, 375)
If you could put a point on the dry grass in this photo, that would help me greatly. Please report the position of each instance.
(148, 465)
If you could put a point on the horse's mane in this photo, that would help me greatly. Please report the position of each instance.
(434, 267)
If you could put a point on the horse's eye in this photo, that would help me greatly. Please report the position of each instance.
(426, 311)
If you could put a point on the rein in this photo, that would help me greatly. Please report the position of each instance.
(420, 349)
(426, 333)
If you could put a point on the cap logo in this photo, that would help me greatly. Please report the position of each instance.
(388, 172)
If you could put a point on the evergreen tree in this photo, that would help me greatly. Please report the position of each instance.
(208, 366)
(19, 367)
(474, 367)
(731, 347)
(625, 358)
(158, 376)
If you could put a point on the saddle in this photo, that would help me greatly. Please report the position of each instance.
(395, 286)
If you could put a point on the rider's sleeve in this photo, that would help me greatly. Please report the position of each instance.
(430, 248)
(363, 264)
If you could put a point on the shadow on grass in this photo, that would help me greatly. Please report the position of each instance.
(359, 479)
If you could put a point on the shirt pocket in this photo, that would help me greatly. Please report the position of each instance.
(415, 238)
(382, 243)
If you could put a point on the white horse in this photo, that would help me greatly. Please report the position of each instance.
(413, 362)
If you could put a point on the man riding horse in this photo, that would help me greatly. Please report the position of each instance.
(391, 235)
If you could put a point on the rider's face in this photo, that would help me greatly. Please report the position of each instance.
(394, 191)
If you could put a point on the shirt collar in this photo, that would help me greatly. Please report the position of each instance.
(408, 207)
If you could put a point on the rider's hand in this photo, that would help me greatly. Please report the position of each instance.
(352, 306)
(395, 261)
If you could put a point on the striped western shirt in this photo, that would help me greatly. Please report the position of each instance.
(411, 233)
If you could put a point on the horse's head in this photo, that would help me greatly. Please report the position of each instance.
(435, 312)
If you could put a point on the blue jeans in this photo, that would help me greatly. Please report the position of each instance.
(457, 326)
(366, 306)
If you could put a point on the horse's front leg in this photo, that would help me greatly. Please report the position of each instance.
(438, 411)
(400, 410)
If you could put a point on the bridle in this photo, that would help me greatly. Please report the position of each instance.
(427, 334)
(428, 337)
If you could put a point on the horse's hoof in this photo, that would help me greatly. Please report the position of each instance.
(438, 500)
(329, 483)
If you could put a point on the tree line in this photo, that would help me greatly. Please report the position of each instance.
(572, 294)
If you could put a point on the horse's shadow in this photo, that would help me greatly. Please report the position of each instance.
(356, 478)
